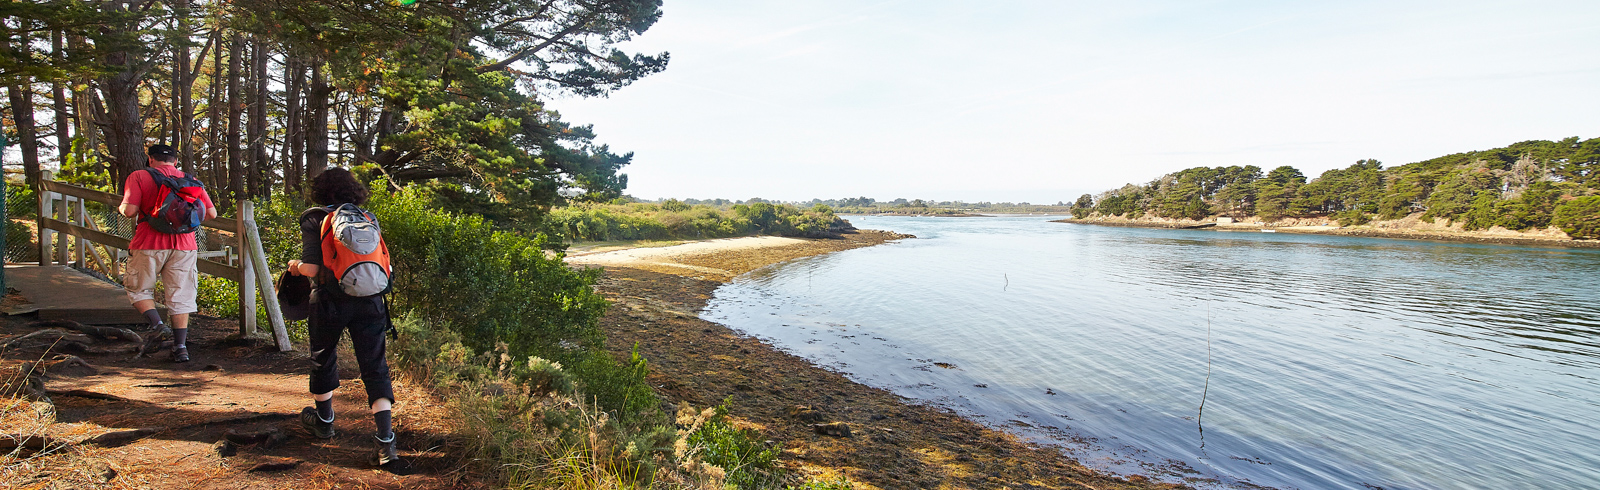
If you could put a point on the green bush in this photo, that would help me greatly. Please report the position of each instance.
(525, 420)
(1579, 217)
(747, 460)
(494, 286)
(1352, 217)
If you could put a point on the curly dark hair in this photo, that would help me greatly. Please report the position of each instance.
(338, 186)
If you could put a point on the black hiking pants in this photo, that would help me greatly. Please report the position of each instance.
(367, 321)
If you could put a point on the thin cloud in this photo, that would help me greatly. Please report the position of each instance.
(833, 21)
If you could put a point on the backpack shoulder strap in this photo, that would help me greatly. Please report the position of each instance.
(156, 176)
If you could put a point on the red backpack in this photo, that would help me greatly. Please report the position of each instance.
(179, 209)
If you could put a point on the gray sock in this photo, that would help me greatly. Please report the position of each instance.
(153, 316)
(180, 336)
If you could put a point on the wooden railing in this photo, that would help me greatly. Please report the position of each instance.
(62, 209)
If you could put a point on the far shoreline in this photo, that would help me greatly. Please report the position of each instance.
(1450, 236)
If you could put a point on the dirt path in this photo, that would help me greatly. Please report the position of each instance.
(120, 422)
(891, 442)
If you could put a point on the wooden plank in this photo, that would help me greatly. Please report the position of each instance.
(108, 198)
(92, 235)
(224, 271)
(221, 223)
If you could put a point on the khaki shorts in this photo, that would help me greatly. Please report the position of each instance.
(178, 272)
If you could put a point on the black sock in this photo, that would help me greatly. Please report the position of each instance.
(325, 409)
(152, 316)
(180, 336)
(385, 425)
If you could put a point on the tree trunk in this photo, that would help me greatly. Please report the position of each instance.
(235, 114)
(84, 104)
(216, 157)
(58, 92)
(317, 122)
(28, 142)
(258, 122)
(121, 91)
(294, 77)
(180, 94)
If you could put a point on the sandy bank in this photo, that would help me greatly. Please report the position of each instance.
(722, 259)
(891, 443)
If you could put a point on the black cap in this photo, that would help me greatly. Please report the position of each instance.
(162, 151)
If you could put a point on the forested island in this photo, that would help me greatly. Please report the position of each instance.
(1525, 187)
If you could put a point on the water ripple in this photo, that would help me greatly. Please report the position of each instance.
(1336, 362)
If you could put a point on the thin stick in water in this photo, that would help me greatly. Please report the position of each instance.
(1201, 416)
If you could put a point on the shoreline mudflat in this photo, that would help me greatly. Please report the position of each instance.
(1403, 231)
(891, 441)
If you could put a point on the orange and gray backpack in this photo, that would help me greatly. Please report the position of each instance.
(354, 252)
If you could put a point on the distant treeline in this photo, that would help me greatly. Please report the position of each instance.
(672, 218)
(1528, 185)
(867, 205)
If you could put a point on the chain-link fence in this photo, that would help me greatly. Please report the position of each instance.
(22, 206)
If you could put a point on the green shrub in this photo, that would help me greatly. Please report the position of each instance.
(494, 287)
(525, 419)
(747, 461)
(1579, 217)
(1352, 217)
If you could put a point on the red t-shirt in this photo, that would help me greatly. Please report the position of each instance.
(143, 191)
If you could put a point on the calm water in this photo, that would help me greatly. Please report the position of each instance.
(1334, 362)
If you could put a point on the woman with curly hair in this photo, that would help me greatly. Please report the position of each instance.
(333, 312)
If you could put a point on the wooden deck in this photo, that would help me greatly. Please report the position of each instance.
(58, 292)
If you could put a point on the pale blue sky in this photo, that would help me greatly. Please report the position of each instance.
(1041, 101)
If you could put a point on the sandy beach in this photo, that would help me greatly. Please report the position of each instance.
(826, 424)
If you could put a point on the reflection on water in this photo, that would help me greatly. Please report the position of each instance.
(1335, 362)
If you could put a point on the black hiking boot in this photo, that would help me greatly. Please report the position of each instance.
(180, 354)
(314, 424)
(387, 459)
(160, 334)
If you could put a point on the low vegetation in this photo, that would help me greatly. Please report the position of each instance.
(510, 336)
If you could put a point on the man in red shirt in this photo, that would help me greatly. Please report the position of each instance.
(154, 253)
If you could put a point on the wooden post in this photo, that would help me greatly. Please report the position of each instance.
(263, 273)
(45, 211)
(82, 244)
(61, 215)
(247, 280)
